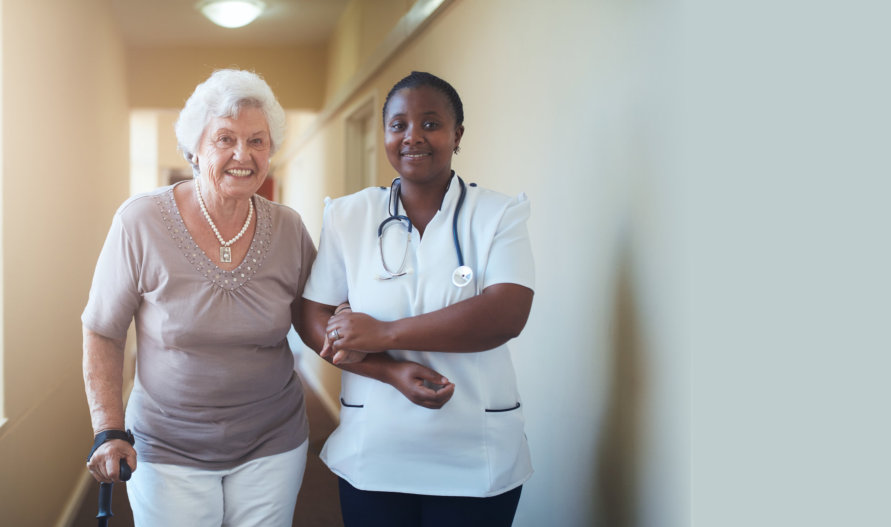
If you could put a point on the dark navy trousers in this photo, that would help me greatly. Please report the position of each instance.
(361, 508)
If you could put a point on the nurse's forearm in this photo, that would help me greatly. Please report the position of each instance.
(480, 323)
(309, 319)
(377, 366)
(418, 383)
(310, 322)
(103, 369)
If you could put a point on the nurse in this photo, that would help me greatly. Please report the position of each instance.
(414, 294)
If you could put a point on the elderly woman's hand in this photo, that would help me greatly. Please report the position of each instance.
(104, 464)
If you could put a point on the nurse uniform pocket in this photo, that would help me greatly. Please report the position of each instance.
(343, 449)
(499, 410)
(353, 416)
(508, 453)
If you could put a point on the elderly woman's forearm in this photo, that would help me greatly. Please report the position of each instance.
(103, 369)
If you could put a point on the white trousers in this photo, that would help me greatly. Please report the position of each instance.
(259, 492)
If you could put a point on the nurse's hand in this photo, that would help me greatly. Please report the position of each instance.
(357, 331)
(421, 385)
(347, 357)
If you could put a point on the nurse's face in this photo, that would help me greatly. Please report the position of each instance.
(420, 134)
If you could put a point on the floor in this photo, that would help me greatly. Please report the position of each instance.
(318, 504)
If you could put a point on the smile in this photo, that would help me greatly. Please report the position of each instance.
(415, 156)
(239, 172)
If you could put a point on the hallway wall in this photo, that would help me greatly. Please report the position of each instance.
(363, 25)
(64, 172)
(573, 103)
(165, 77)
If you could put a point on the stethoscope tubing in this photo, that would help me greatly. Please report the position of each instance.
(463, 274)
(455, 222)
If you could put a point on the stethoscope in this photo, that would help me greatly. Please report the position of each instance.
(462, 275)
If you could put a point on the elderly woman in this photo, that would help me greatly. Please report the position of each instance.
(211, 272)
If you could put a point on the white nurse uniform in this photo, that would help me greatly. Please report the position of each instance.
(475, 444)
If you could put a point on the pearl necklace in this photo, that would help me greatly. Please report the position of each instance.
(225, 249)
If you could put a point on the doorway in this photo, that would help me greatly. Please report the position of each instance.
(361, 148)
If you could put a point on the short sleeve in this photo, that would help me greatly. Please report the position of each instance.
(114, 295)
(327, 282)
(307, 256)
(510, 257)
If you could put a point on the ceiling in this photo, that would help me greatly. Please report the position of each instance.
(162, 23)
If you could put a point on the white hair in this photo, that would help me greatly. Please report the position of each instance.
(223, 94)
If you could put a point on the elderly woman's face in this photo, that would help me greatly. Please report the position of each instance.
(233, 155)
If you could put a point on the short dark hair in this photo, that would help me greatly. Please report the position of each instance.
(422, 78)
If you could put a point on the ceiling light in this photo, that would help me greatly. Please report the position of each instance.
(231, 13)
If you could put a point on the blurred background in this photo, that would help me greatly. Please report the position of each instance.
(709, 187)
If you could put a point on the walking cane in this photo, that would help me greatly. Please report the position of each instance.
(105, 495)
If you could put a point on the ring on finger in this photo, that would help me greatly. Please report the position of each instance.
(334, 335)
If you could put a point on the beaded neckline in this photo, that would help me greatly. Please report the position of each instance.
(225, 247)
(227, 280)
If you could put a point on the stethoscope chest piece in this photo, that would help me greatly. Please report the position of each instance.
(462, 276)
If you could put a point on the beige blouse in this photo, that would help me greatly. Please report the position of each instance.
(215, 382)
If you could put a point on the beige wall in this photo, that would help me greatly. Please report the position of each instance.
(165, 77)
(64, 171)
(2, 301)
(559, 99)
(362, 27)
